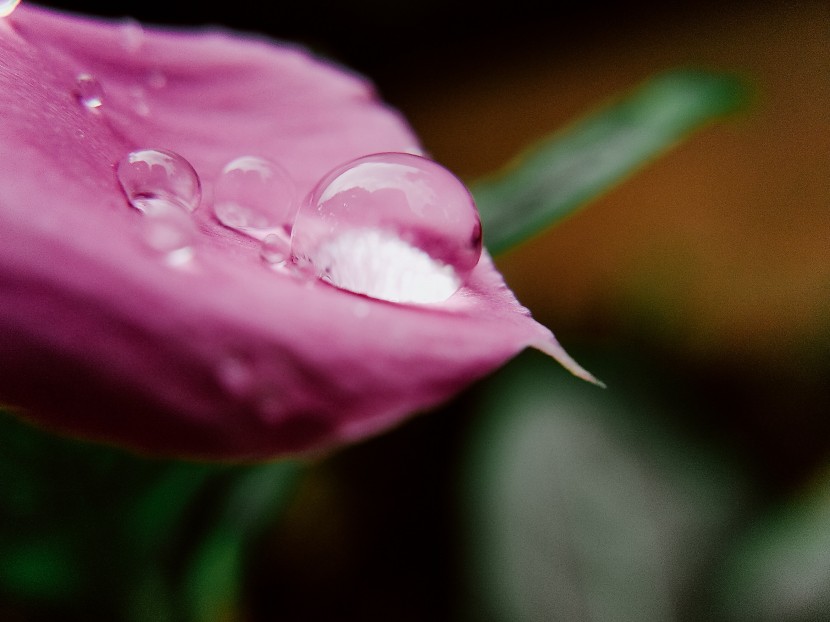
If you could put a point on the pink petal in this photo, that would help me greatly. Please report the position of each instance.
(225, 359)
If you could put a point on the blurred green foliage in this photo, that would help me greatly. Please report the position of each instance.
(576, 165)
(584, 504)
(778, 570)
(93, 532)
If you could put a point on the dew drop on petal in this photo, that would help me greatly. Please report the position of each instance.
(142, 108)
(150, 176)
(392, 226)
(156, 79)
(7, 6)
(88, 91)
(131, 34)
(139, 101)
(274, 249)
(169, 231)
(256, 197)
(235, 375)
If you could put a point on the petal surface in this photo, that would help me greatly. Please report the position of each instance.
(222, 358)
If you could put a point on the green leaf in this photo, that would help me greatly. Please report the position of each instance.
(251, 500)
(102, 534)
(578, 164)
(779, 569)
(581, 504)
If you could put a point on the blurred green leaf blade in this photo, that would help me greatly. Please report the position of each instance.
(252, 498)
(94, 531)
(582, 504)
(578, 164)
(779, 569)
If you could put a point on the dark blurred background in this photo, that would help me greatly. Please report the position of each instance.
(712, 263)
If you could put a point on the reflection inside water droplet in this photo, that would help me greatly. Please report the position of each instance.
(393, 226)
(88, 91)
(7, 7)
(255, 196)
(150, 176)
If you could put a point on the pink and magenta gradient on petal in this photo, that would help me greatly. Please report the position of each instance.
(219, 356)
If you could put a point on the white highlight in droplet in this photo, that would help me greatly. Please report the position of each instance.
(381, 265)
(7, 7)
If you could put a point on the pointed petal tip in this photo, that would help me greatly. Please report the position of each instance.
(552, 348)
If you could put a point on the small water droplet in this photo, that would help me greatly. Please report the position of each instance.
(255, 196)
(139, 101)
(88, 91)
(150, 176)
(7, 7)
(156, 79)
(236, 375)
(142, 108)
(274, 249)
(132, 34)
(169, 231)
(393, 226)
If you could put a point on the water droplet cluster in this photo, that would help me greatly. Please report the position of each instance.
(392, 226)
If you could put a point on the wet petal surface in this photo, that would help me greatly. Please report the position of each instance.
(108, 330)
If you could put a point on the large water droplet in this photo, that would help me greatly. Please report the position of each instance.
(393, 226)
(255, 196)
(88, 91)
(150, 176)
(7, 6)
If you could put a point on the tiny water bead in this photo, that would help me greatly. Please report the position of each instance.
(88, 91)
(7, 7)
(158, 176)
(139, 101)
(256, 197)
(156, 79)
(274, 249)
(131, 34)
(392, 226)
